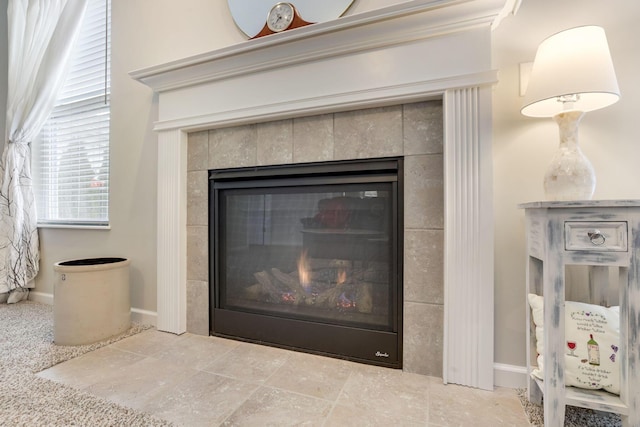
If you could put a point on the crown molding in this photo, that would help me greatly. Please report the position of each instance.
(394, 25)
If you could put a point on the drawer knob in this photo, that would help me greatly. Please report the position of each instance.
(596, 237)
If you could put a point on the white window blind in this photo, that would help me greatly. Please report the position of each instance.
(71, 159)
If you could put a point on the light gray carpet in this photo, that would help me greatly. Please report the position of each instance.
(26, 347)
(574, 417)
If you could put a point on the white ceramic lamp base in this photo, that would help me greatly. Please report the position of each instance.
(570, 176)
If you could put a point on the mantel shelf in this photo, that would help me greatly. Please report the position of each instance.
(397, 24)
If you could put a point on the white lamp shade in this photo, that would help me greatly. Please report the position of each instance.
(575, 61)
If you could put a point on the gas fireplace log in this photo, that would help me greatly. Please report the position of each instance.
(267, 286)
(364, 298)
(289, 281)
(298, 291)
(254, 292)
(330, 296)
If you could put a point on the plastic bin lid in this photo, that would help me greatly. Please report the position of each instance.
(92, 261)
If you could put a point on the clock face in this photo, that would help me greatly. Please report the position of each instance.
(249, 15)
(280, 17)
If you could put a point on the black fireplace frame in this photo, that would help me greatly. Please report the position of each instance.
(377, 347)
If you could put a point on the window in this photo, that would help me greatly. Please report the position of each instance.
(71, 158)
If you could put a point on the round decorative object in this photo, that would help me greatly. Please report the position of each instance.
(249, 15)
(280, 17)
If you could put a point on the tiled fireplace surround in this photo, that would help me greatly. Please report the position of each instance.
(358, 84)
(412, 130)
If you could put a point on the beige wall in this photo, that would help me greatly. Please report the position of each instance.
(144, 33)
(523, 146)
(148, 32)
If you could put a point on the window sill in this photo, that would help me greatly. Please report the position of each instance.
(77, 226)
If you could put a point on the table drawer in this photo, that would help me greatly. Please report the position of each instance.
(596, 236)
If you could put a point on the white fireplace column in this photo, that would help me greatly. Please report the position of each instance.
(226, 88)
(468, 259)
(172, 231)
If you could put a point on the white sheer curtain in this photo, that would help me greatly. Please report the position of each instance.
(41, 37)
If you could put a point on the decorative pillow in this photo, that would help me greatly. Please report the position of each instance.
(592, 335)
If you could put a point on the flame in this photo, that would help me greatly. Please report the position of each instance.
(304, 270)
(342, 276)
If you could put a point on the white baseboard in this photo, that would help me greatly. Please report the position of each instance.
(510, 376)
(41, 297)
(137, 315)
(145, 317)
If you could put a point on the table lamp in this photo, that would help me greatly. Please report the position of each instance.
(572, 73)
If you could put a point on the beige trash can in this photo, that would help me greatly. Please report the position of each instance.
(91, 300)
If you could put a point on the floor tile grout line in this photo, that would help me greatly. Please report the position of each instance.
(337, 399)
(245, 400)
(297, 393)
(228, 377)
(284, 361)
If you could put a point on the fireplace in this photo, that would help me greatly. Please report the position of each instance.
(407, 52)
(308, 256)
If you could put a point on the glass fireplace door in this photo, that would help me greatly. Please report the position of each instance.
(319, 253)
(309, 258)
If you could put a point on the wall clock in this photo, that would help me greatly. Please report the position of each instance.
(251, 15)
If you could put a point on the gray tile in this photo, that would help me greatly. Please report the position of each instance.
(136, 385)
(349, 416)
(198, 307)
(312, 375)
(273, 407)
(275, 142)
(149, 342)
(196, 351)
(422, 338)
(388, 393)
(451, 405)
(197, 151)
(203, 399)
(169, 386)
(313, 138)
(197, 253)
(376, 132)
(423, 128)
(197, 198)
(233, 147)
(90, 368)
(249, 362)
(424, 192)
(424, 266)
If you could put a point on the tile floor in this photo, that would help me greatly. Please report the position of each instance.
(193, 380)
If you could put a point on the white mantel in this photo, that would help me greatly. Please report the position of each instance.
(411, 51)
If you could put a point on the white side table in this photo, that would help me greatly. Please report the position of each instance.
(599, 235)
